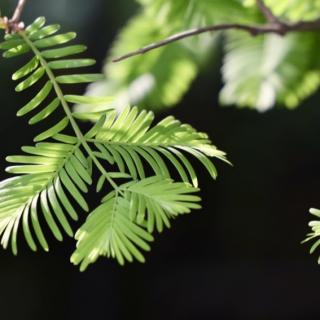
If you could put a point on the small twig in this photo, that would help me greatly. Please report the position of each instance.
(276, 28)
(266, 11)
(196, 31)
(274, 25)
(18, 11)
(15, 24)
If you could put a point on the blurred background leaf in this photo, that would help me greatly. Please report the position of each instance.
(256, 77)
(160, 78)
(258, 72)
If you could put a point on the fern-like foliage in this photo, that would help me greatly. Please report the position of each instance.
(129, 139)
(45, 175)
(314, 235)
(127, 221)
(52, 177)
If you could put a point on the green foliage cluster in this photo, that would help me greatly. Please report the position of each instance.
(52, 177)
(315, 231)
(257, 72)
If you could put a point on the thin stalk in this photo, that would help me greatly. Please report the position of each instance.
(67, 110)
(18, 11)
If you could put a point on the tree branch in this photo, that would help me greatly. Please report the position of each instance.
(265, 10)
(15, 24)
(274, 25)
(18, 11)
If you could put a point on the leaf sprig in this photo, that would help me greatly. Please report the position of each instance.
(315, 231)
(53, 176)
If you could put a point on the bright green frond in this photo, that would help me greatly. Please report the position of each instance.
(47, 173)
(122, 225)
(314, 235)
(41, 40)
(54, 175)
(155, 201)
(110, 232)
(129, 138)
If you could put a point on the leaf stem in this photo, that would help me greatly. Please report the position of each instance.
(67, 110)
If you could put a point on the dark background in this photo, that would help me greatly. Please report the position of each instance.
(238, 258)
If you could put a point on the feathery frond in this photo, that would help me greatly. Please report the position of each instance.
(109, 232)
(54, 175)
(315, 234)
(129, 137)
(46, 172)
(157, 200)
(122, 225)
(41, 40)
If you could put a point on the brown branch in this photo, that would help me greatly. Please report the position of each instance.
(266, 11)
(274, 25)
(15, 24)
(18, 11)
